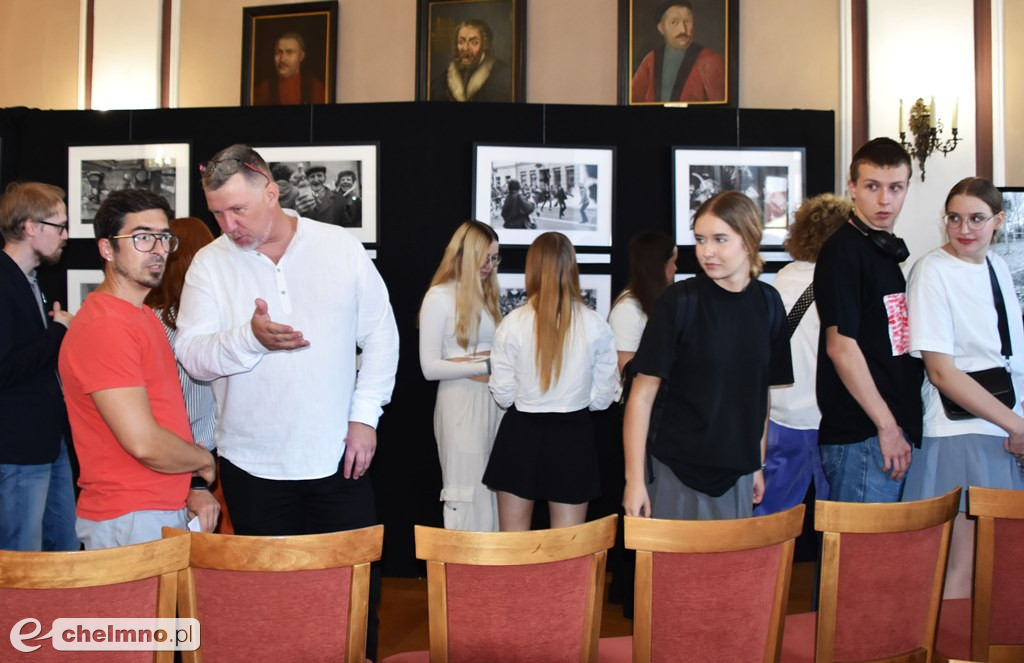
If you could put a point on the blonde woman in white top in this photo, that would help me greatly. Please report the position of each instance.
(553, 360)
(457, 322)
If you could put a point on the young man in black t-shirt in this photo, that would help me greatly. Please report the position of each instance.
(868, 385)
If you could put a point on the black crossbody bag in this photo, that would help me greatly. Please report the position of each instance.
(996, 381)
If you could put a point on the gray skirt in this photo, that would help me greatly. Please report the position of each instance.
(672, 499)
(943, 463)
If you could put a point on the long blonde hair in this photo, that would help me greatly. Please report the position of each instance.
(553, 290)
(463, 257)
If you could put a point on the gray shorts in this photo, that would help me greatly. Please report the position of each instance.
(673, 500)
(131, 528)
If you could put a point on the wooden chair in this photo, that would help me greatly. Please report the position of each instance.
(514, 596)
(883, 569)
(989, 626)
(130, 581)
(708, 590)
(279, 598)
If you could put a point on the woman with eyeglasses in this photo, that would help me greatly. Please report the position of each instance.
(457, 321)
(553, 361)
(973, 426)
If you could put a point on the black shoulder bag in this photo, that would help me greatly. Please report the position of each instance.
(996, 381)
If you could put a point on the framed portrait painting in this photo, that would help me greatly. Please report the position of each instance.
(679, 53)
(470, 50)
(596, 290)
(523, 191)
(335, 184)
(772, 177)
(289, 54)
(96, 170)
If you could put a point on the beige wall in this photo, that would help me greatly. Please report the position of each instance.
(789, 54)
(571, 52)
(1013, 40)
(39, 53)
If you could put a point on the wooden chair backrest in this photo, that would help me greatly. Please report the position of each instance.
(997, 629)
(291, 594)
(882, 565)
(696, 583)
(515, 590)
(139, 579)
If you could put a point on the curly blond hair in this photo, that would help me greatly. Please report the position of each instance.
(815, 221)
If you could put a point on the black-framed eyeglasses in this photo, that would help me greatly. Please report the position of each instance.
(228, 167)
(63, 226)
(494, 260)
(974, 221)
(146, 242)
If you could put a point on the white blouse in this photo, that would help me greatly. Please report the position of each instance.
(588, 378)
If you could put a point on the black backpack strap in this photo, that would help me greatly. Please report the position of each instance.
(686, 310)
(796, 313)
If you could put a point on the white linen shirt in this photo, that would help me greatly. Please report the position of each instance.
(589, 365)
(285, 414)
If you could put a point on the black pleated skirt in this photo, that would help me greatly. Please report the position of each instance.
(545, 456)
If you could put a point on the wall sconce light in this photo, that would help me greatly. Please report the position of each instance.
(926, 130)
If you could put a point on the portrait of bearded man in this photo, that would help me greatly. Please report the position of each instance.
(474, 73)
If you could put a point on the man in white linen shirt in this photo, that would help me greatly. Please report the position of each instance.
(296, 428)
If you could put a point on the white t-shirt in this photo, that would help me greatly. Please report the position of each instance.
(951, 311)
(587, 378)
(627, 321)
(797, 406)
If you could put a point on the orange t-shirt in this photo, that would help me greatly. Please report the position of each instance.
(111, 343)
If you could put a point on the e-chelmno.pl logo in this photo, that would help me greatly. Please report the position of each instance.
(108, 634)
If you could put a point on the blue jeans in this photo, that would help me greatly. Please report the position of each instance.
(854, 473)
(37, 506)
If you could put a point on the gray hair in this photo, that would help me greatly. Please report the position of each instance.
(245, 160)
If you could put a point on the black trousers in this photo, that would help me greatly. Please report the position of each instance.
(270, 507)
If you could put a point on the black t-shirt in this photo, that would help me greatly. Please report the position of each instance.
(861, 290)
(718, 369)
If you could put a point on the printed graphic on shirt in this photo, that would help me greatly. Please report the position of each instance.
(899, 327)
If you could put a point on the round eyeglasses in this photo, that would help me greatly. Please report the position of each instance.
(974, 221)
(146, 242)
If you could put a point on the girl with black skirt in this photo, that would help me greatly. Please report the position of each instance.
(552, 360)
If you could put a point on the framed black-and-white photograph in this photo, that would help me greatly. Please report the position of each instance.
(1009, 242)
(335, 184)
(96, 170)
(471, 50)
(80, 283)
(772, 177)
(685, 53)
(525, 191)
(289, 53)
(596, 290)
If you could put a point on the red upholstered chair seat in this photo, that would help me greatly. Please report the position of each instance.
(514, 597)
(883, 567)
(272, 617)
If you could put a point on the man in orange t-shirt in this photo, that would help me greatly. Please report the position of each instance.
(291, 85)
(128, 419)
